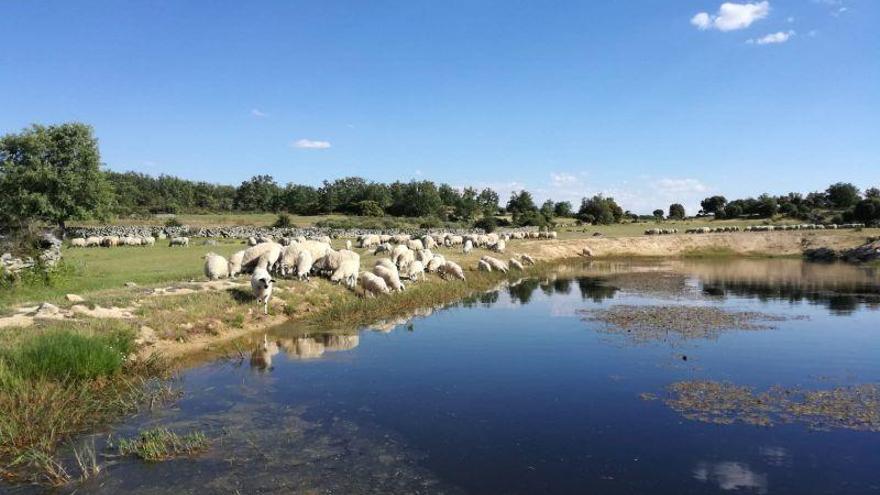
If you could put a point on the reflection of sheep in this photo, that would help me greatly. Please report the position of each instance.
(495, 263)
(178, 241)
(516, 264)
(451, 269)
(373, 284)
(392, 280)
(216, 266)
(261, 358)
(262, 284)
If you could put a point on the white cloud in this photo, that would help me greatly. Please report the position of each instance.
(561, 179)
(680, 186)
(310, 144)
(732, 16)
(773, 38)
(256, 112)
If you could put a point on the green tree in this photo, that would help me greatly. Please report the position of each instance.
(562, 209)
(548, 210)
(52, 174)
(713, 204)
(872, 192)
(259, 193)
(842, 195)
(370, 208)
(469, 204)
(300, 199)
(676, 211)
(488, 200)
(658, 214)
(600, 210)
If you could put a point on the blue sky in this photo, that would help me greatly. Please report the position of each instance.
(648, 101)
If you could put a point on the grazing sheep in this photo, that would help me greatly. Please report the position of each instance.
(347, 272)
(468, 246)
(413, 271)
(331, 261)
(109, 241)
(149, 241)
(178, 241)
(483, 266)
(264, 254)
(415, 244)
(391, 278)
(382, 248)
(216, 266)
(387, 263)
(499, 246)
(373, 284)
(368, 240)
(262, 284)
(406, 258)
(495, 263)
(303, 265)
(451, 269)
(435, 263)
(397, 252)
(400, 238)
(93, 241)
(251, 241)
(424, 256)
(516, 264)
(287, 261)
(429, 242)
(383, 238)
(78, 242)
(527, 259)
(235, 263)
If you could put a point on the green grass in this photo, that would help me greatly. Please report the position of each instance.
(161, 444)
(63, 355)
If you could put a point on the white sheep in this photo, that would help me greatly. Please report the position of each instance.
(262, 284)
(93, 241)
(527, 259)
(216, 266)
(346, 273)
(368, 240)
(149, 241)
(397, 252)
(391, 278)
(468, 246)
(424, 256)
(382, 248)
(483, 266)
(495, 263)
(499, 246)
(429, 242)
(387, 263)
(451, 269)
(406, 258)
(415, 244)
(414, 270)
(235, 263)
(373, 284)
(435, 263)
(178, 241)
(264, 254)
(516, 264)
(303, 265)
(78, 242)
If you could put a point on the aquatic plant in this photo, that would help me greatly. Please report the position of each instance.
(161, 444)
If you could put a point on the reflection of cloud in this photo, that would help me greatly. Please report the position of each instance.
(775, 456)
(730, 476)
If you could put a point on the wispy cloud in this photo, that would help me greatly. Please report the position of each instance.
(680, 186)
(256, 112)
(732, 16)
(311, 144)
(773, 38)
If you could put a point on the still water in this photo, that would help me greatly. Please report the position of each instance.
(515, 391)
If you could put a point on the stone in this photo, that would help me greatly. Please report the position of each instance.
(145, 336)
(75, 298)
(48, 310)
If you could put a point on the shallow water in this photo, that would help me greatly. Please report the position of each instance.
(514, 392)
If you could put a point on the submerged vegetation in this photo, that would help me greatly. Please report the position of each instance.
(673, 322)
(162, 444)
(854, 408)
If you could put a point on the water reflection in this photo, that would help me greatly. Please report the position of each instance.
(731, 476)
(303, 347)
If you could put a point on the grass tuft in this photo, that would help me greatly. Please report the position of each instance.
(64, 355)
(162, 444)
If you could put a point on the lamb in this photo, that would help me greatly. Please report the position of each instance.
(373, 284)
(435, 263)
(179, 241)
(235, 263)
(527, 259)
(347, 272)
(516, 264)
(483, 266)
(391, 278)
(495, 263)
(216, 266)
(262, 285)
(303, 265)
(468, 246)
(78, 242)
(451, 269)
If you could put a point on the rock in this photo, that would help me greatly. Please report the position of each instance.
(48, 310)
(821, 254)
(74, 298)
(131, 284)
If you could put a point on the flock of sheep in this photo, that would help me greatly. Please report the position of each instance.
(109, 241)
(408, 259)
(756, 228)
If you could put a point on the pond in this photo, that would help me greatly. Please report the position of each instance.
(532, 389)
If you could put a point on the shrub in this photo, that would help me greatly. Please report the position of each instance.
(284, 221)
(173, 222)
(488, 224)
(370, 208)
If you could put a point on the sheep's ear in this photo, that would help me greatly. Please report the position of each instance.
(272, 280)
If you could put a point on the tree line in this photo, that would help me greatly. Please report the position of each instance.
(53, 174)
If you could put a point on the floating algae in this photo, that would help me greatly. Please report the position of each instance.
(854, 408)
(671, 323)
